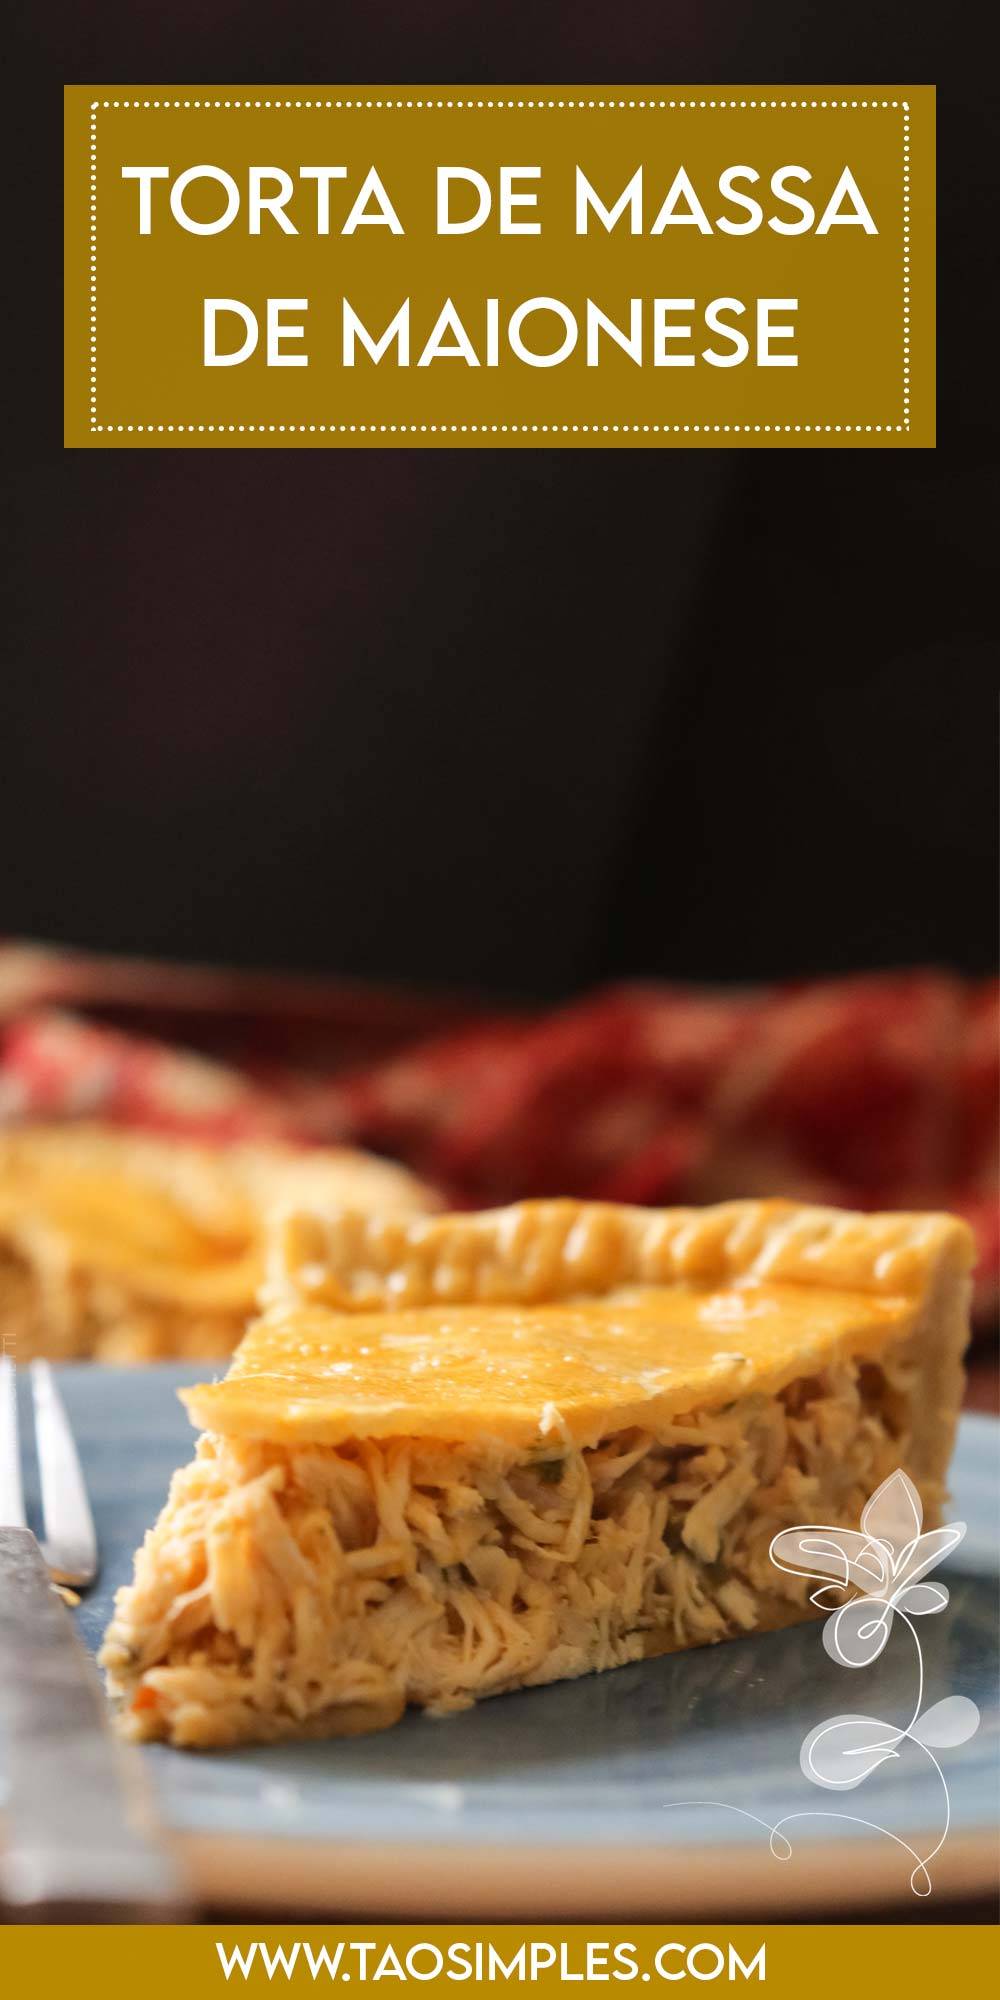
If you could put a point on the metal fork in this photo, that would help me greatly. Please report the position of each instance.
(69, 1549)
(78, 1844)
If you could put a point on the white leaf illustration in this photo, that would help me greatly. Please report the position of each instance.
(856, 1634)
(948, 1723)
(844, 1555)
(919, 1600)
(926, 1551)
(894, 1514)
(843, 1752)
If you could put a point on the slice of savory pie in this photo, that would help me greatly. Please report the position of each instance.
(132, 1246)
(466, 1454)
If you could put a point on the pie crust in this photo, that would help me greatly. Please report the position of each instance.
(458, 1455)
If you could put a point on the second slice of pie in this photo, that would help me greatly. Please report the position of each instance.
(133, 1246)
(458, 1455)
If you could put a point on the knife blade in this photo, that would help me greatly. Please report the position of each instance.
(75, 1838)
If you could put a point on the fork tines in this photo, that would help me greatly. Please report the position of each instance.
(70, 1544)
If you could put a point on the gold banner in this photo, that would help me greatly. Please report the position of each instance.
(788, 1961)
(409, 265)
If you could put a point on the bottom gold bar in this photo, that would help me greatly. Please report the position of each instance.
(204, 1959)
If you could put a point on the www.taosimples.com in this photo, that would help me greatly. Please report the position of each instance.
(479, 1959)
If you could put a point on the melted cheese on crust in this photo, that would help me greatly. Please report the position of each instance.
(575, 1368)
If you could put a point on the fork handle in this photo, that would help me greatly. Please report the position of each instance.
(75, 1842)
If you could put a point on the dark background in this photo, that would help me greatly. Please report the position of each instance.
(518, 721)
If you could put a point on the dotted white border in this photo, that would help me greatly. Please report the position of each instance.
(906, 266)
(498, 104)
(93, 270)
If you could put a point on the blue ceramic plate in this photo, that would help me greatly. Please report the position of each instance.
(642, 1791)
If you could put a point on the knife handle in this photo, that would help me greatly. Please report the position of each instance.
(76, 1845)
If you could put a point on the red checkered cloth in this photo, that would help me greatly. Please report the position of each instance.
(872, 1092)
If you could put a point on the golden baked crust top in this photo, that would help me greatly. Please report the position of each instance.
(565, 1319)
(547, 1250)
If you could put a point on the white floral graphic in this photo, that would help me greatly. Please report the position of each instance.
(884, 1567)
(885, 1563)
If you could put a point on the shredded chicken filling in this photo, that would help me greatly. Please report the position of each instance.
(319, 1590)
